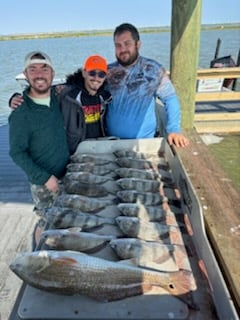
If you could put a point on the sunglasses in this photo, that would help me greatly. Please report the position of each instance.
(94, 73)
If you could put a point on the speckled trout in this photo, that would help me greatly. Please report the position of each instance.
(70, 272)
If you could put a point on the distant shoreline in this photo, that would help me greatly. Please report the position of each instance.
(68, 34)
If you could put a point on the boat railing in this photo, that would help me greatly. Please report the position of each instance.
(210, 87)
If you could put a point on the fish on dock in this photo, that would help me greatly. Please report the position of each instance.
(152, 254)
(146, 198)
(127, 162)
(150, 231)
(89, 158)
(66, 218)
(149, 174)
(74, 239)
(86, 177)
(127, 153)
(71, 272)
(150, 213)
(92, 168)
(84, 203)
(141, 185)
(84, 189)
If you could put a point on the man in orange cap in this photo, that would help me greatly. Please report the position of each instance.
(84, 100)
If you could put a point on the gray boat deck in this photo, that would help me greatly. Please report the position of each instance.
(16, 223)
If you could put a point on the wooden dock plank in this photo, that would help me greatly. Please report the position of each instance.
(220, 202)
(214, 96)
(16, 223)
(217, 117)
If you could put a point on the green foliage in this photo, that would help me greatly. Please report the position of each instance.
(109, 32)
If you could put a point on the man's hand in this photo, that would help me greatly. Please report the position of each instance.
(52, 184)
(59, 88)
(16, 101)
(178, 139)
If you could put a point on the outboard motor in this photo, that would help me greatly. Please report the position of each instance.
(224, 62)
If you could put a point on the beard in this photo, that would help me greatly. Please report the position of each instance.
(40, 88)
(128, 60)
(41, 91)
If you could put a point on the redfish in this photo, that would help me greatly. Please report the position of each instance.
(70, 272)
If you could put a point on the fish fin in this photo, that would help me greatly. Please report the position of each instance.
(175, 237)
(65, 261)
(181, 284)
(97, 248)
(130, 262)
(181, 258)
(92, 229)
(75, 229)
(166, 266)
(170, 219)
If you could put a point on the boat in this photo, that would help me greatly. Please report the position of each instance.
(21, 79)
(212, 295)
(225, 62)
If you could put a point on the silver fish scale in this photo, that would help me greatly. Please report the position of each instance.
(68, 239)
(87, 177)
(142, 163)
(68, 219)
(141, 185)
(91, 168)
(85, 189)
(137, 173)
(134, 154)
(84, 203)
(151, 213)
(146, 198)
(89, 158)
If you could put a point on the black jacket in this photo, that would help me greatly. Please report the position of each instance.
(71, 108)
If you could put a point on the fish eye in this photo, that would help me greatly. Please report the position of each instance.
(171, 286)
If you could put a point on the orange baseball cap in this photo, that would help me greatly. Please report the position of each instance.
(95, 63)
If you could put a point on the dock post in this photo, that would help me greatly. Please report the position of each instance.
(185, 43)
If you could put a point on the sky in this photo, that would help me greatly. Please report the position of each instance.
(25, 16)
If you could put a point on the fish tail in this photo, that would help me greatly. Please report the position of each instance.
(175, 237)
(181, 284)
(171, 220)
(181, 258)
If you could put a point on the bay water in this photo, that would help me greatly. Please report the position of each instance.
(69, 54)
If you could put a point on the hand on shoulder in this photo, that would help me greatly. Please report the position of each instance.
(15, 101)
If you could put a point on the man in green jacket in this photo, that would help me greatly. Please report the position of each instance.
(37, 136)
